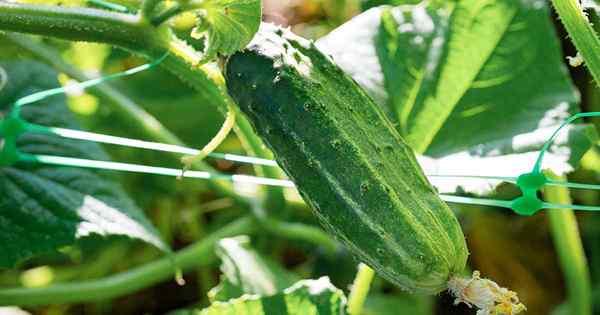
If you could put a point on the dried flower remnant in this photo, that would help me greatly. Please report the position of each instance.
(575, 61)
(486, 295)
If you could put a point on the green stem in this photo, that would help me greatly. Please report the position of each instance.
(201, 253)
(299, 231)
(567, 241)
(581, 32)
(166, 14)
(123, 105)
(80, 24)
(360, 289)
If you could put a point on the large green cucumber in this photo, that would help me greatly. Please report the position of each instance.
(347, 160)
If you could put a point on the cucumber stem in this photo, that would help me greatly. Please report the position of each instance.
(80, 24)
(298, 231)
(360, 289)
(570, 251)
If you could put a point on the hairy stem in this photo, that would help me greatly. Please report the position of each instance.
(166, 14)
(571, 255)
(79, 24)
(360, 289)
(581, 33)
(201, 253)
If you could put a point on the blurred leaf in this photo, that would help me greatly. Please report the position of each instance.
(44, 208)
(247, 272)
(89, 57)
(477, 85)
(339, 266)
(561, 309)
(306, 297)
(228, 25)
(367, 4)
(379, 304)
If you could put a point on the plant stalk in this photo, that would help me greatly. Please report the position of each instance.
(567, 241)
(299, 231)
(79, 24)
(581, 33)
(360, 289)
(201, 253)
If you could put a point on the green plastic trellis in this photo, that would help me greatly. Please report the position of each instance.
(12, 126)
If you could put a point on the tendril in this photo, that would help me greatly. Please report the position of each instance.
(189, 160)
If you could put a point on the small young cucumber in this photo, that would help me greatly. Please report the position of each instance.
(349, 164)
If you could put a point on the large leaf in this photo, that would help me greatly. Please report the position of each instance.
(44, 208)
(476, 85)
(306, 297)
(247, 272)
(227, 25)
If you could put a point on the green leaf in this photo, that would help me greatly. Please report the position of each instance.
(367, 4)
(477, 86)
(247, 272)
(44, 208)
(254, 285)
(306, 297)
(227, 25)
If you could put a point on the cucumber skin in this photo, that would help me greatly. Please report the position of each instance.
(347, 160)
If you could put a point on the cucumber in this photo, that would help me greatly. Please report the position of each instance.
(349, 163)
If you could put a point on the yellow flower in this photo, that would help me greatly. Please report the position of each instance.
(486, 295)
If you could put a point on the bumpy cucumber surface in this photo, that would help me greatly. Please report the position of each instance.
(350, 165)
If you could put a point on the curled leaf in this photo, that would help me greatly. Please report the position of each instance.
(227, 25)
